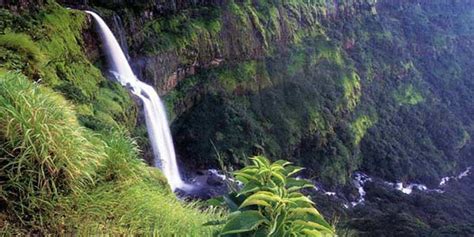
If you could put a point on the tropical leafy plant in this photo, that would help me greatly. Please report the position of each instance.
(271, 204)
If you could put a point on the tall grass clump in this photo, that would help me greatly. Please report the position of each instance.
(59, 178)
(135, 207)
(45, 153)
(132, 198)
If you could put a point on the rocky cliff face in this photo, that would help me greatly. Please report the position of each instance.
(312, 81)
(171, 40)
(321, 82)
(21, 5)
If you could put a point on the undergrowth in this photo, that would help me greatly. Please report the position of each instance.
(60, 178)
(47, 46)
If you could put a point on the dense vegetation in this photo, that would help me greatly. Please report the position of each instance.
(60, 178)
(385, 92)
(270, 203)
(68, 164)
(383, 86)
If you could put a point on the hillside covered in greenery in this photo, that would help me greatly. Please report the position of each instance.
(381, 87)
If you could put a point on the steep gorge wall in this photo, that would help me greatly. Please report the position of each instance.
(335, 86)
(172, 39)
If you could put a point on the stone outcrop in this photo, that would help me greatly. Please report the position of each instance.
(247, 31)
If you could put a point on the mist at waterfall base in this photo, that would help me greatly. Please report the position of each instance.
(155, 114)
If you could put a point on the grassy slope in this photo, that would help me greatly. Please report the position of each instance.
(56, 175)
(46, 45)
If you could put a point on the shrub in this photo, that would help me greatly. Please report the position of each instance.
(272, 204)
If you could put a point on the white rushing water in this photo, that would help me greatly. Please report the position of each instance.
(155, 115)
(359, 181)
(460, 176)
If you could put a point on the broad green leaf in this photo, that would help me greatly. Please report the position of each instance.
(261, 196)
(250, 170)
(291, 170)
(306, 210)
(312, 233)
(263, 171)
(282, 163)
(318, 219)
(277, 168)
(296, 184)
(232, 202)
(246, 177)
(279, 177)
(314, 225)
(301, 199)
(250, 187)
(261, 161)
(278, 220)
(308, 214)
(243, 222)
(261, 232)
(257, 202)
(295, 195)
(285, 211)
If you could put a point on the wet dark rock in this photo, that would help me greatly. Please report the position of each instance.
(204, 185)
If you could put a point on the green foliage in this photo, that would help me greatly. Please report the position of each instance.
(272, 204)
(19, 52)
(237, 11)
(244, 76)
(59, 178)
(47, 47)
(352, 90)
(45, 153)
(23, 45)
(176, 32)
(360, 126)
(333, 93)
(131, 208)
(288, 105)
(408, 95)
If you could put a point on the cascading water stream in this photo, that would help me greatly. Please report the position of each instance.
(155, 116)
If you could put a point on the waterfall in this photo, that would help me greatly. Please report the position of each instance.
(155, 116)
(122, 39)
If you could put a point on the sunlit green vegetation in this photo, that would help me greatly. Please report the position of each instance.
(48, 48)
(408, 95)
(271, 204)
(179, 31)
(360, 125)
(61, 178)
